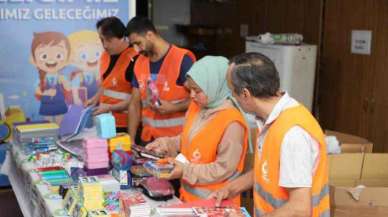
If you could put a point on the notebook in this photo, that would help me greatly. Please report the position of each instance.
(74, 121)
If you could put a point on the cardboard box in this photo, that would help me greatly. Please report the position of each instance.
(350, 170)
(350, 143)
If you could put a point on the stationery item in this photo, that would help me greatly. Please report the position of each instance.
(123, 177)
(109, 183)
(95, 155)
(76, 172)
(106, 126)
(139, 171)
(159, 170)
(112, 203)
(143, 152)
(79, 211)
(121, 141)
(153, 93)
(92, 193)
(70, 200)
(74, 121)
(74, 147)
(171, 212)
(98, 213)
(92, 143)
(133, 204)
(157, 189)
(96, 172)
(55, 176)
(121, 160)
(220, 211)
(28, 132)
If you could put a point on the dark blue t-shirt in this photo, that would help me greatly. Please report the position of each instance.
(187, 62)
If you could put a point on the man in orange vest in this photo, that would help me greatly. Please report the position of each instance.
(116, 71)
(290, 174)
(159, 98)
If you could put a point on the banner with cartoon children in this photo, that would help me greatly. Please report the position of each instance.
(49, 53)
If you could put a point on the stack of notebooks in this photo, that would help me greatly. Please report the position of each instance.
(121, 141)
(26, 132)
(55, 176)
(36, 137)
(96, 157)
(91, 192)
(133, 204)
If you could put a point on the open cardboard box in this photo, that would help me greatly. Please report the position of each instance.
(350, 170)
(350, 143)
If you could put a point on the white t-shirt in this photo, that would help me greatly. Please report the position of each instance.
(299, 151)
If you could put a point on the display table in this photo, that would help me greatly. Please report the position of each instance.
(34, 196)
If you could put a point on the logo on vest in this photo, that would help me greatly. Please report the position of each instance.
(114, 81)
(141, 84)
(196, 156)
(264, 171)
(166, 87)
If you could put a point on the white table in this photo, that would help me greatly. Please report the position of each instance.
(35, 197)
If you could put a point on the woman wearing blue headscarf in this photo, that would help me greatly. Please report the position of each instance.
(214, 137)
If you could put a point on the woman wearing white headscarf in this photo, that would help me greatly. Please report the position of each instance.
(215, 135)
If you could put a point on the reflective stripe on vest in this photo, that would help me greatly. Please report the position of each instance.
(325, 213)
(276, 203)
(316, 199)
(172, 122)
(145, 103)
(117, 94)
(201, 193)
(258, 212)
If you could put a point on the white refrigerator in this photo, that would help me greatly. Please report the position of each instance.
(296, 66)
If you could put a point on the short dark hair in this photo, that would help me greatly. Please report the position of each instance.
(140, 25)
(111, 27)
(255, 72)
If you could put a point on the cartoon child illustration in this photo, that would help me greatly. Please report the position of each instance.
(86, 49)
(50, 52)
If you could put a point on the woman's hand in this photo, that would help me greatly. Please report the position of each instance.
(158, 146)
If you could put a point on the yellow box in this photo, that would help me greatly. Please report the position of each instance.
(121, 141)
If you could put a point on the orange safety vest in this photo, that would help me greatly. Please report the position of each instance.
(115, 87)
(202, 149)
(268, 195)
(157, 125)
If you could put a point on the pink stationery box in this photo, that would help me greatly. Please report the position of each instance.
(90, 143)
(97, 165)
(97, 151)
(96, 159)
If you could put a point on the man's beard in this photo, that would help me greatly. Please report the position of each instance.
(148, 51)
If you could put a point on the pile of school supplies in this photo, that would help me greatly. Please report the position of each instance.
(121, 141)
(133, 204)
(91, 192)
(96, 157)
(55, 176)
(36, 137)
